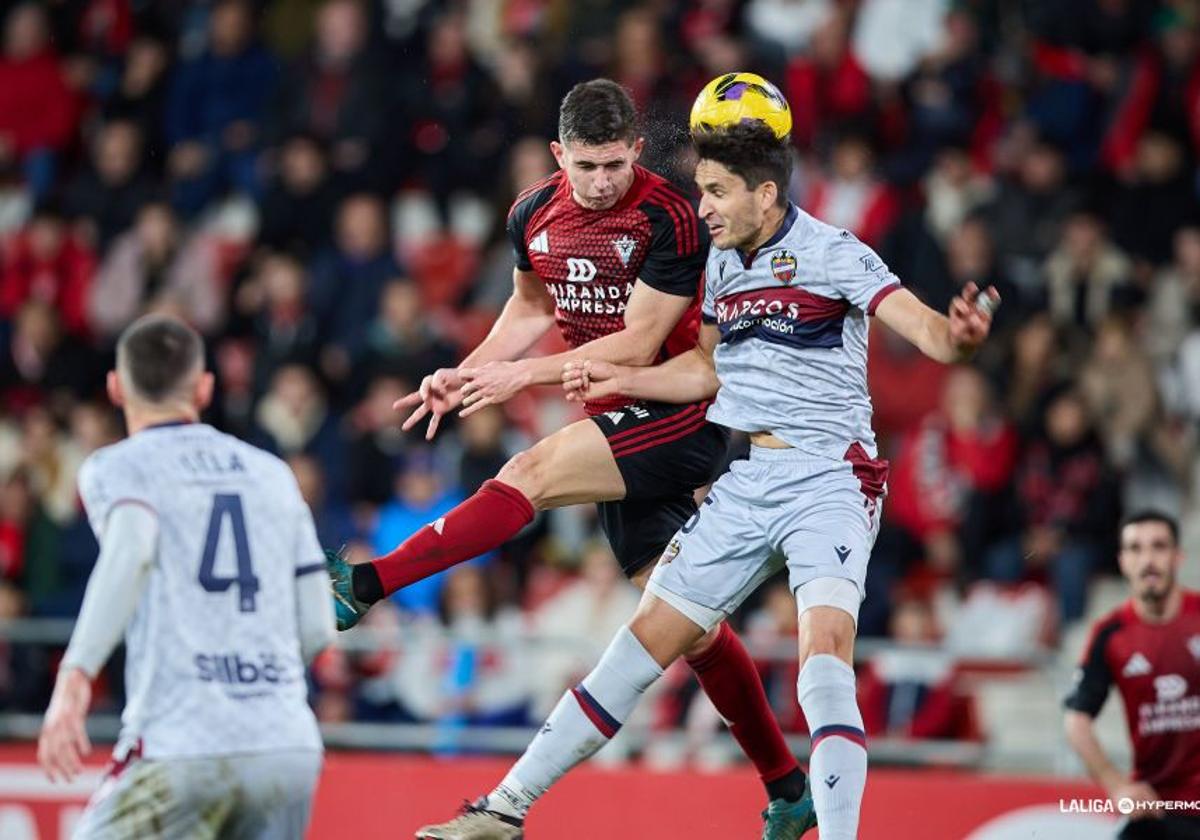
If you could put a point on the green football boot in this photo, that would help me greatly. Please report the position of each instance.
(783, 820)
(346, 607)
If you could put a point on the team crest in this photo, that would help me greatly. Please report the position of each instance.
(625, 247)
(672, 551)
(783, 266)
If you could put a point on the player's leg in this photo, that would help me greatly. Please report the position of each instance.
(826, 528)
(584, 720)
(643, 526)
(277, 791)
(173, 800)
(572, 465)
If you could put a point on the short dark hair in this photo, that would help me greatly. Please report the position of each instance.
(158, 352)
(1152, 515)
(751, 151)
(597, 112)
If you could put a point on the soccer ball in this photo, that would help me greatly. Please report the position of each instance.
(741, 97)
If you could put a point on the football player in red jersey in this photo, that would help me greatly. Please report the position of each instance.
(1149, 648)
(613, 255)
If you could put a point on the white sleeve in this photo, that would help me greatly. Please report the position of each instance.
(115, 587)
(314, 601)
(857, 273)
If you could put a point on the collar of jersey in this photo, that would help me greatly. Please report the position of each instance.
(789, 219)
(167, 424)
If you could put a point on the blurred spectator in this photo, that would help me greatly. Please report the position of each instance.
(451, 117)
(1117, 383)
(335, 527)
(141, 94)
(954, 190)
(215, 109)
(912, 692)
(1157, 198)
(825, 83)
(157, 262)
(348, 279)
(952, 467)
(1031, 205)
(41, 359)
(467, 666)
(402, 340)
(577, 618)
(285, 329)
(338, 93)
(892, 36)
(485, 448)
(293, 417)
(1065, 507)
(853, 197)
(104, 198)
(788, 26)
(1174, 305)
(297, 209)
(420, 496)
(16, 512)
(38, 111)
(377, 446)
(47, 262)
(1086, 275)
(1032, 371)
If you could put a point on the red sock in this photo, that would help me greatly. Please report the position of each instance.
(486, 520)
(729, 678)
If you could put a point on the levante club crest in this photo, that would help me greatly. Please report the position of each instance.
(783, 266)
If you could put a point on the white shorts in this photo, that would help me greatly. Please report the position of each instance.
(256, 796)
(782, 507)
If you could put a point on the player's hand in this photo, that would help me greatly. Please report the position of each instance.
(439, 394)
(1137, 792)
(971, 317)
(590, 380)
(63, 741)
(491, 384)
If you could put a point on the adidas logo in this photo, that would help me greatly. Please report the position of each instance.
(832, 780)
(540, 244)
(1137, 666)
(842, 552)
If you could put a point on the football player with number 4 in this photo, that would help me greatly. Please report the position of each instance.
(211, 570)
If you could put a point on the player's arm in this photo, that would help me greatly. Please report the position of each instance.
(650, 316)
(687, 378)
(113, 591)
(314, 609)
(527, 316)
(668, 279)
(947, 339)
(860, 277)
(1093, 682)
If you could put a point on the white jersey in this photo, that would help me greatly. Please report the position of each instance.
(792, 358)
(213, 659)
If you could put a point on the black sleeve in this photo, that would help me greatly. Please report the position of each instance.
(678, 246)
(1093, 679)
(516, 235)
(520, 214)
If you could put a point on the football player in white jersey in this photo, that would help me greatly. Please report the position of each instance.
(784, 338)
(211, 570)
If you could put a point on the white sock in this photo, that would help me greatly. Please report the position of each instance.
(584, 720)
(838, 764)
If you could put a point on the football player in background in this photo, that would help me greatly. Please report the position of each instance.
(211, 570)
(1149, 648)
(612, 254)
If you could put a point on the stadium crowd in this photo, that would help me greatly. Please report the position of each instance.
(320, 187)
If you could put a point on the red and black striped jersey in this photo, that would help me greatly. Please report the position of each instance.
(1156, 669)
(590, 259)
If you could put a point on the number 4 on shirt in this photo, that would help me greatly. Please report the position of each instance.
(229, 504)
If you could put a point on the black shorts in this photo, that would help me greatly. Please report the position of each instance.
(1172, 826)
(664, 452)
